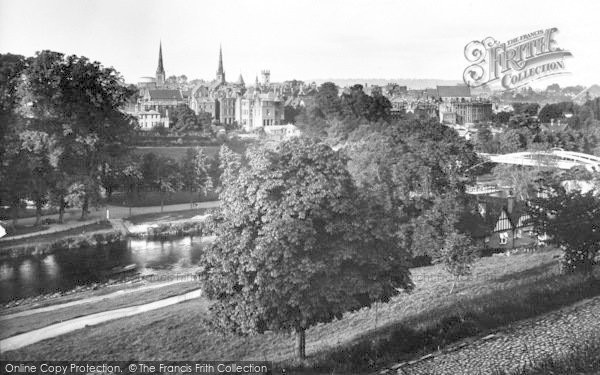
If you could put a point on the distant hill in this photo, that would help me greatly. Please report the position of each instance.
(411, 83)
(589, 93)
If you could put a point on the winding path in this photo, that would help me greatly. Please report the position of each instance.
(82, 301)
(53, 330)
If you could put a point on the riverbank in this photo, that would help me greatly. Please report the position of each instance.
(91, 234)
(161, 226)
(169, 221)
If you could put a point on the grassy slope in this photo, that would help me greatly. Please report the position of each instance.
(15, 326)
(77, 295)
(503, 289)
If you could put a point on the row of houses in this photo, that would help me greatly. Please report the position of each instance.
(226, 102)
(453, 105)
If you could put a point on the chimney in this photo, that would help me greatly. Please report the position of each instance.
(482, 209)
(510, 204)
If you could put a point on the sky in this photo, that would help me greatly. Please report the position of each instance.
(301, 39)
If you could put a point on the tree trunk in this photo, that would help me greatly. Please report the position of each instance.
(15, 214)
(38, 213)
(84, 207)
(300, 343)
(162, 201)
(61, 210)
(191, 199)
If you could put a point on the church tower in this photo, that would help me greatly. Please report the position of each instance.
(220, 71)
(160, 70)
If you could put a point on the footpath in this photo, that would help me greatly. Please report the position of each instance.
(53, 330)
(515, 347)
(116, 214)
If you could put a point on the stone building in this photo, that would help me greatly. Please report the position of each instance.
(457, 106)
(218, 98)
(257, 109)
(155, 100)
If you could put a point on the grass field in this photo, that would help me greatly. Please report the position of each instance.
(175, 152)
(11, 327)
(501, 290)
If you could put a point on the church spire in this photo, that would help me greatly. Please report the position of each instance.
(220, 71)
(160, 70)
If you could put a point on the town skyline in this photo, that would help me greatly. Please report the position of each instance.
(308, 41)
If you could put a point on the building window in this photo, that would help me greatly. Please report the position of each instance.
(503, 238)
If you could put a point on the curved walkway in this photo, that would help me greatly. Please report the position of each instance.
(515, 347)
(86, 300)
(28, 338)
(116, 212)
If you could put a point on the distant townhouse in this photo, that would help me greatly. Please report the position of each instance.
(457, 106)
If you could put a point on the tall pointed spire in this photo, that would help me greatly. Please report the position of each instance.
(220, 71)
(160, 70)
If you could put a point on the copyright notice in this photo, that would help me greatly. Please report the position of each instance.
(136, 367)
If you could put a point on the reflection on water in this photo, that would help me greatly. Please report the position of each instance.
(66, 269)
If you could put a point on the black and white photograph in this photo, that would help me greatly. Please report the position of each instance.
(300, 187)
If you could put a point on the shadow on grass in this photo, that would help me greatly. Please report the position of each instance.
(538, 271)
(461, 318)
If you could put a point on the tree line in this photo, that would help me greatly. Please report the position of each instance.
(62, 129)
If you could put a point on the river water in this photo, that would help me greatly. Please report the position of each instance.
(64, 270)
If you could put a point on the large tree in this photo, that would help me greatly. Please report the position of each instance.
(77, 103)
(415, 172)
(195, 171)
(572, 220)
(295, 244)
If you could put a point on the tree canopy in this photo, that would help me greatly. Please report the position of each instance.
(295, 243)
(67, 112)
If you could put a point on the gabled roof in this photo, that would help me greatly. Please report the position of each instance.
(496, 217)
(165, 94)
(453, 91)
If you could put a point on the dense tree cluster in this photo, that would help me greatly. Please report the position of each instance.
(580, 132)
(307, 233)
(62, 129)
(571, 220)
(337, 115)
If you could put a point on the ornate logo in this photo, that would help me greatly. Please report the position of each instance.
(514, 63)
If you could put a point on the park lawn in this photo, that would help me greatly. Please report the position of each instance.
(176, 152)
(14, 326)
(6, 213)
(50, 237)
(501, 290)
